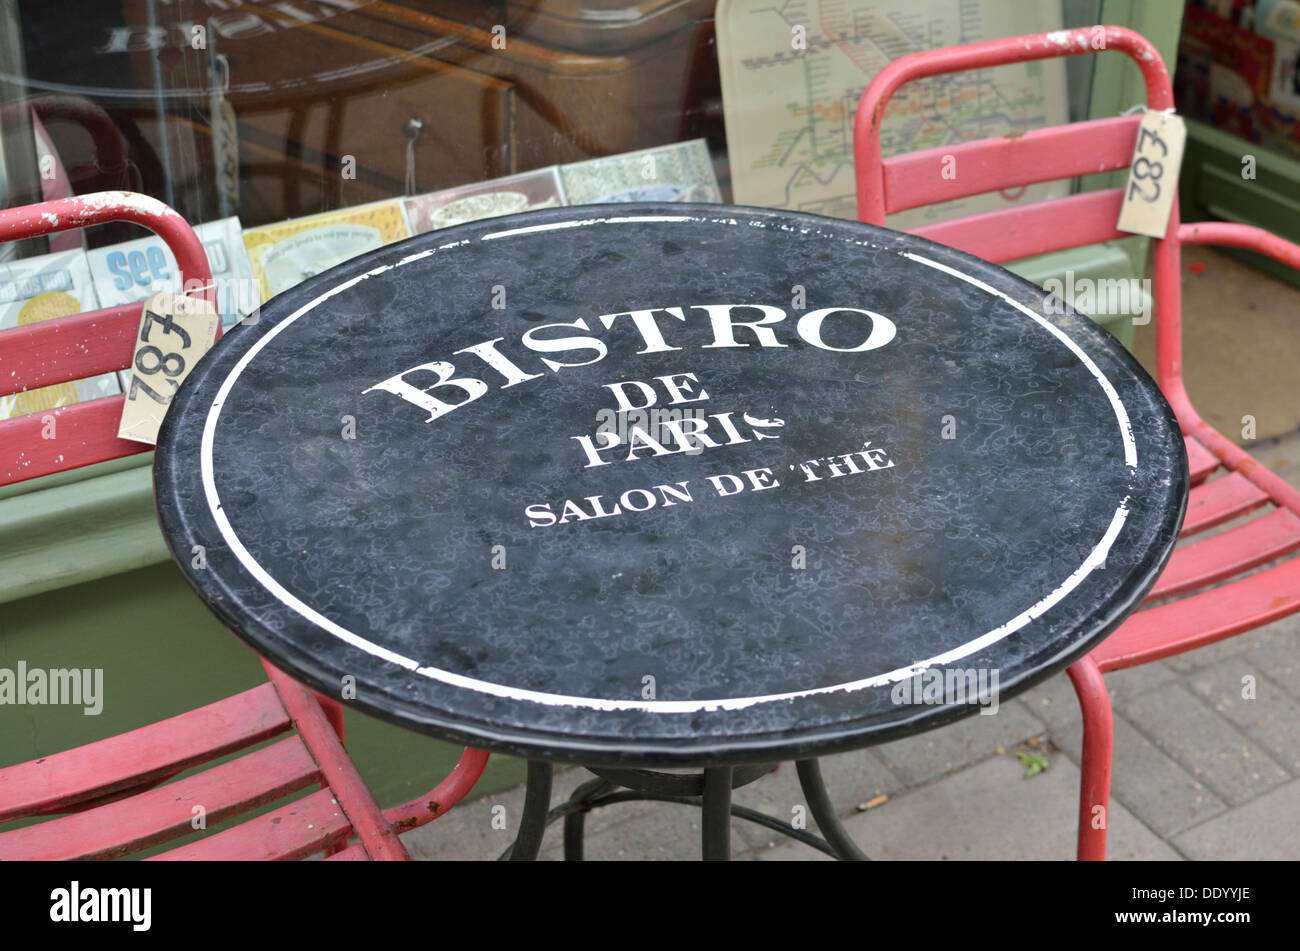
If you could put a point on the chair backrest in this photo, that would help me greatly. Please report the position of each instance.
(885, 186)
(81, 345)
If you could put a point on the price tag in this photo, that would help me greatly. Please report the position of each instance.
(174, 332)
(1153, 175)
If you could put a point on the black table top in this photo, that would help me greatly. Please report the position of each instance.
(874, 459)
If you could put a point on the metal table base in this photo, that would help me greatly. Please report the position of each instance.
(709, 790)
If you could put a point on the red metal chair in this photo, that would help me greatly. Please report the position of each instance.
(110, 793)
(1204, 594)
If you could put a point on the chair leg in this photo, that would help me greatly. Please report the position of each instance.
(537, 807)
(575, 823)
(1098, 736)
(715, 821)
(333, 713)
(819, 803)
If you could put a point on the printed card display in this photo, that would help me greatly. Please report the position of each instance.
(134, 270)
(131, 271)
(43, 288)
(283, 254)
(500, 196)
(680, 172)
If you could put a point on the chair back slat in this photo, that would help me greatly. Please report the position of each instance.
(1023, 230)
(988, 165)
(67, 348)
(56, 440)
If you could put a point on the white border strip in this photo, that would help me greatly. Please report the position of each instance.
(1095, 558)
(562, 225)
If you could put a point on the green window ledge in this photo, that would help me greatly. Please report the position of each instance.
(79, 526)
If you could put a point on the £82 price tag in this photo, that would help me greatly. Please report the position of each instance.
(1153, 175)
(174, 332)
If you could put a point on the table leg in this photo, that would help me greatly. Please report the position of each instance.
(716, 821)
(819, 803)
(575, 822)
(537, 803)
(710, 791)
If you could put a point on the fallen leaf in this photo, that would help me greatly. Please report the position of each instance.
(1034, 763)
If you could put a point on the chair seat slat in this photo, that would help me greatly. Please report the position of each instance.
(1222, 500)
(1200, 461)
(62, 781)
(293, 831)
(1203, 619)
(1229, 553)
(166, 812)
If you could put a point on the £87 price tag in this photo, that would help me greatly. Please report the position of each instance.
(150, 359)
(174, 332)
(1153, 175)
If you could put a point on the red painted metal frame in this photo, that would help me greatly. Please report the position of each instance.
(1182, 611)
(81, 345)
(108, 795)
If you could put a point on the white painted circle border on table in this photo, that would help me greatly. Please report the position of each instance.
(1095, 559)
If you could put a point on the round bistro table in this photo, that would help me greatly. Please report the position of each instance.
(661, 486)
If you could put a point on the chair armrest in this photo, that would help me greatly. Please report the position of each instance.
(1249, 238)
(1241, 236)
(441, 797)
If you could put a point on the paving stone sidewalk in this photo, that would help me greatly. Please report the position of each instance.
(1199, 773)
